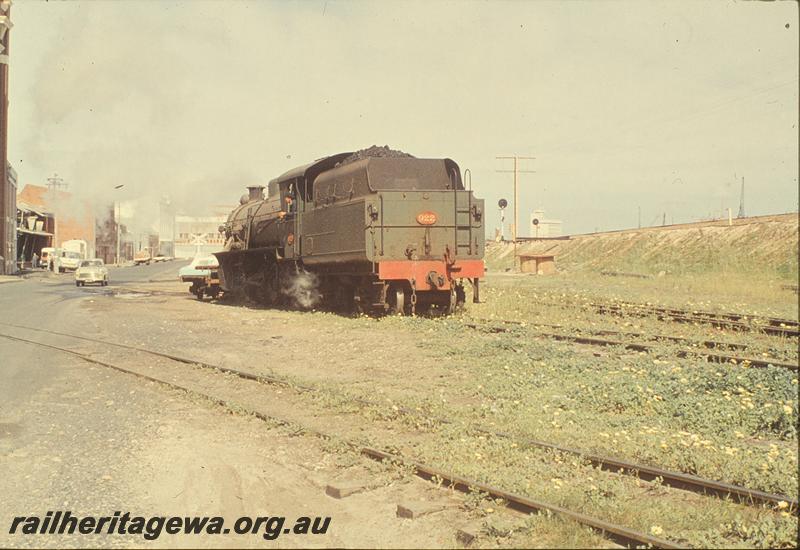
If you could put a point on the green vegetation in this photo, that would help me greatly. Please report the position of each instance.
(725, 422)
(431, 388)
(765, 250)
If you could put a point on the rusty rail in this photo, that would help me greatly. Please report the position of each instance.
(710, 344)
(617, 533)
(759, 362)
(734, 321)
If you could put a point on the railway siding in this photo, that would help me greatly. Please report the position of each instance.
(724, 422)
(420, 445)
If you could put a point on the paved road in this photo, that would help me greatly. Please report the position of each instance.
(64, 428)
(51, 301)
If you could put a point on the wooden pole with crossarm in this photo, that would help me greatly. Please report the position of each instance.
(516, 171)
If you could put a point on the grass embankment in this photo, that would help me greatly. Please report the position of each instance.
(765, 248)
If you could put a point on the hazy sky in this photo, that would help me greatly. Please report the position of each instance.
(623, 104)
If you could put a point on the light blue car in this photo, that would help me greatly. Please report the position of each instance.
(203, 275)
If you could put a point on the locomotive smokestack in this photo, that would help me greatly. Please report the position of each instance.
(256, 192)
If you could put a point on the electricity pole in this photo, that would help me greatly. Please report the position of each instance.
(517, 172)
(56, 183)
(741, 202)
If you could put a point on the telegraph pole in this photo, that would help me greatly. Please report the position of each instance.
(517, 172)
(741, 202)
(5, 31)
(56, 183)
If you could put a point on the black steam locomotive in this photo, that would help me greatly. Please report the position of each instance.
(357, 230)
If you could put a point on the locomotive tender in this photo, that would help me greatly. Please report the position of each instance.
(377, 233)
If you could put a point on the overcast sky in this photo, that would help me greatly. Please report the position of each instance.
(623, 104)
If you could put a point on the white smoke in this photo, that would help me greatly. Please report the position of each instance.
(302, 288)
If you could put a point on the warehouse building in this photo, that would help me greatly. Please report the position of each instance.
(34, 232)
(74, 218)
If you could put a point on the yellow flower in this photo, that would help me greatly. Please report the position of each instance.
(656, 530)
(783, 504)
(787, 409)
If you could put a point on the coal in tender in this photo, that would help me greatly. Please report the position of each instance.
(375, 151)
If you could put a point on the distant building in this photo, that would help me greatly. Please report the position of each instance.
(200, 234)
(543, 227)
(74, 218)
(8, 219)
(34, 232)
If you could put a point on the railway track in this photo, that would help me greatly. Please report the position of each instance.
(710, 344)
(617, 533)
(645, 472)
(758, 319)
(711, 357)
(733, 321)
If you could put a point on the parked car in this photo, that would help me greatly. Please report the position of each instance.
(69, 260)
(157, 259)
(91, 271)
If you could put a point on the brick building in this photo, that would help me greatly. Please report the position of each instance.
(74, 218)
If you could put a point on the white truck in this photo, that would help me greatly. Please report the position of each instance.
(77, 245)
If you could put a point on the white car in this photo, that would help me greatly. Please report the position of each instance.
(91, 271)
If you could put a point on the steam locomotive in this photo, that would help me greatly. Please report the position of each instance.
(374, 233)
